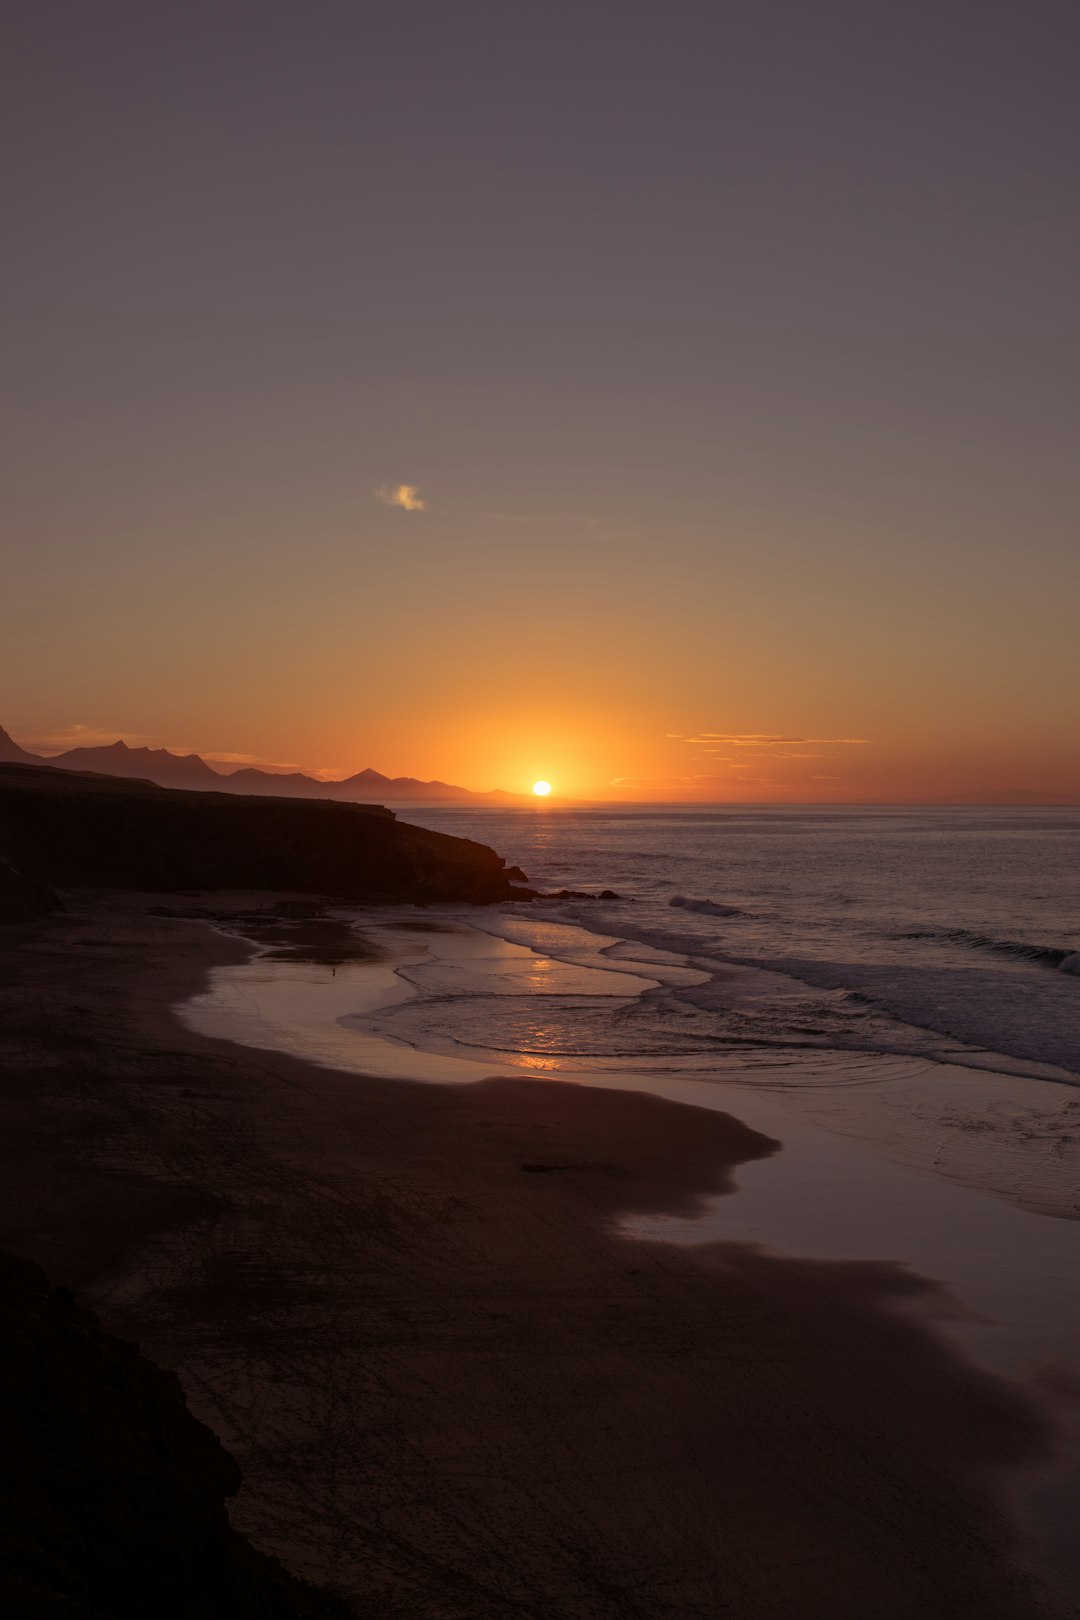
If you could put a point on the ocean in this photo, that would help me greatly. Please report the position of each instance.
(940, 933)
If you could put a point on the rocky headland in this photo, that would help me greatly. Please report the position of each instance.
(68, 830)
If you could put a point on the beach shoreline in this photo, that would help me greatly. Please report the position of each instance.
(999, 1131)
(454, 1388)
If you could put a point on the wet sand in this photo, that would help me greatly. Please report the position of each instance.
(456, 1388)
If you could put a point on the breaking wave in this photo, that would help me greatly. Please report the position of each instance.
(707, 908)
(1053, 956)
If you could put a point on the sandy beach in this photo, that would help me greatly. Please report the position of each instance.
(454, 1384)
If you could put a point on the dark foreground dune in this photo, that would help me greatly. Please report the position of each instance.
(112, 1496)
(453, 1389)
(75, 829)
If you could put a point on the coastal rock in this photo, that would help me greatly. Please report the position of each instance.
(112, 1496)
(580, 894)
(77, 830)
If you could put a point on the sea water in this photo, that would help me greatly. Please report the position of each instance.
(922, 932)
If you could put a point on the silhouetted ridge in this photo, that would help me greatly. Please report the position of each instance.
(12, 754)
(153, 764)
(85, 831)
(191, 771)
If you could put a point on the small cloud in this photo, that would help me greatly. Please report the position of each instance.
(406, 496)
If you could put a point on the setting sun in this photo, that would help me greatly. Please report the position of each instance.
(541, 789)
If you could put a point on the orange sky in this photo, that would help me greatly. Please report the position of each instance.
(674, 406)
(660, 661)
(666, 660)
(470, 726)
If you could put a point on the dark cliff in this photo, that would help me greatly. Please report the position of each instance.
(75, 830)
(112, 1496)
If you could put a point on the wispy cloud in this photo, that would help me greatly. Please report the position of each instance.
(324, 773)
(762, 739)
(711, 748)
(701, 782)
(655, 781)
(253, 759)
(405, 496)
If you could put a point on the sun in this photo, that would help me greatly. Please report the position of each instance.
(541, 789)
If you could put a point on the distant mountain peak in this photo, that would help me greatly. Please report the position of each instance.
(12, 754)
(192, 771)
(368, 776)
(156, 764)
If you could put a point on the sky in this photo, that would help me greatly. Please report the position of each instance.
(669, 400)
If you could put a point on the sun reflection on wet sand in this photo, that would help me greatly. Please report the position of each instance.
(537, 1063)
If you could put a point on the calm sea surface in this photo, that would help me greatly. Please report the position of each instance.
(925, 932)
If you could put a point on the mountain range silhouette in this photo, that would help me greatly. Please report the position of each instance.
(191, 771)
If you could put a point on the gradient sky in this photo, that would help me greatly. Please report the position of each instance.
(732, 348)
